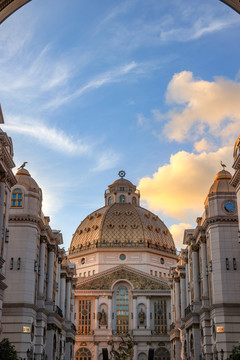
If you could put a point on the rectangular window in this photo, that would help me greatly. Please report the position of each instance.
(93, 272)
(151, 272)
(85, 274)
(89, 273)
(155, 273)
(160, 274)
(160, 316)
(84, 317)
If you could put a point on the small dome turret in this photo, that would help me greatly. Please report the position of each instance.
(24, 178)
(221, 183)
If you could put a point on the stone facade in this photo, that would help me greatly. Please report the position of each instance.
(38, 309)
(7, 7)
(7, 180)
(234, 4)
(122, 254)
(205, 282)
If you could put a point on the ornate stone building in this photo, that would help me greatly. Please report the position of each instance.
(234, 4)
(38, 309)
(7, 7)
(7, 180)
(122, 254)
(205, 282)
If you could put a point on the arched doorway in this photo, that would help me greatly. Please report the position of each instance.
(83, 354)
(161, 354)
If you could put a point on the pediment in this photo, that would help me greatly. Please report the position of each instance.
(105, 280)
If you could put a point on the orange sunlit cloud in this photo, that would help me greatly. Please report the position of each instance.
(202, 107)
(178, 189)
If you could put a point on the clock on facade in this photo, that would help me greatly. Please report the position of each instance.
(229, 206)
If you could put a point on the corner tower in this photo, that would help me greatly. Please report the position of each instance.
(206, 279)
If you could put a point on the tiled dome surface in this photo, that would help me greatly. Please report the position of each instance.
(122, 225)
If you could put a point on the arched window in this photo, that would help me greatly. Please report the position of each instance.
(109, 200)
(83, 354)
(17, 198)
(161, 354)
(122, 199)
(134, 201)
(122, 310)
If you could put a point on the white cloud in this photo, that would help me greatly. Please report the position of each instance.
(202, 26)
(178, 189)
(53, 138)
(177, 231)
(206, 113)
(108, 77)
(203, 145)
(106, 161)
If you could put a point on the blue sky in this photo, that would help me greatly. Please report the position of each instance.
(147, 86)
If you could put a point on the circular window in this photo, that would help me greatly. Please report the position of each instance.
(229, 206)
(83, 261)
(122, 257)
(162, 260)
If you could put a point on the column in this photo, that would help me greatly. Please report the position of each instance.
(135, 349)
(204, 267)
(96, 311)
(195, 272)
(187, 280)
(63, 293)
(58, 279)
(177, 299)
(135, 314)
(172, 301)
(148, 313)
(96, 343)
(109, 312)
(2, 196)
(68, 299)
(183, 294)
(41, 265)
(76, 311)
(72, 306)
(51, 259)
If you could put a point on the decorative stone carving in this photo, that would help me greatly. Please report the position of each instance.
(139, 281)
(141, 316)
(102, 318)
(125, 350)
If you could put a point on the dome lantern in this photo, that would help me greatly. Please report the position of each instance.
(122, 191)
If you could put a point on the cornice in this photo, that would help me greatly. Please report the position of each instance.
(236, 178)
(219, 219)
(25, 217)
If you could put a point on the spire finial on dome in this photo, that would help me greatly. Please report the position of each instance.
(122, 174)
(223, 165)
(23, 165)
